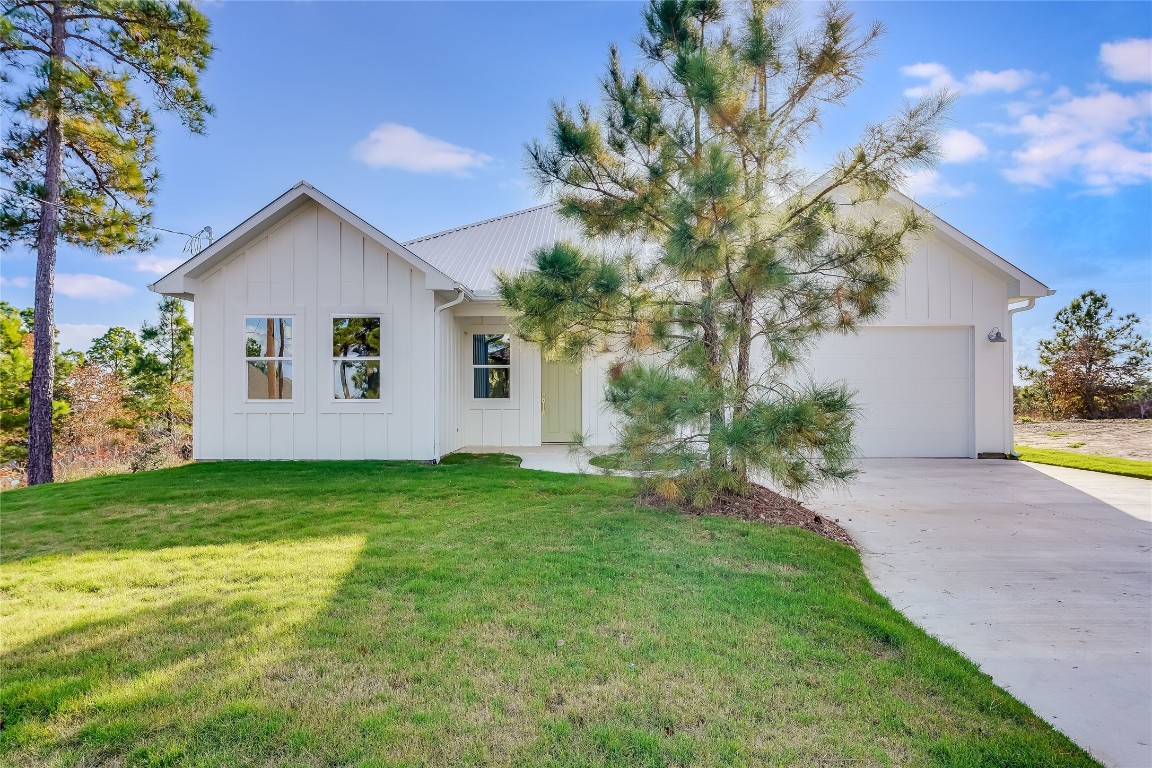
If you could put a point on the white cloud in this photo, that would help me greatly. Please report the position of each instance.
(961, 146)
(1004, 81)
(398, 146)
(929, 183)
(1100, 140)
(1129, 61)
(982, 81)
(78, 336)
(158, 265)
(14, 282)
(937, 75)
(94, 287)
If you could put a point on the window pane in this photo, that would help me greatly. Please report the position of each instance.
(491, 383)
(269, 380)
(268, 337)
(491, 349)
(356, 337)
(356, 380)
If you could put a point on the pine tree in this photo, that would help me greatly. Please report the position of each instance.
(117, 351)
(728, 261)
(15, 379)
(161, 378)
(80, 147)
(1094, 363)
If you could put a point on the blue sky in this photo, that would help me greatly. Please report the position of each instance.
(414, 115)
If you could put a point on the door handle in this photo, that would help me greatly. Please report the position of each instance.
(543, 403)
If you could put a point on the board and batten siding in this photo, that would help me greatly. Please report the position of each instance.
(313, 266)
(944, 292)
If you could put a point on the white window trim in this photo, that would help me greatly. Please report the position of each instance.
(237, 374)
(334, 359)
(290, 359)
(326, 397)
(515, 350)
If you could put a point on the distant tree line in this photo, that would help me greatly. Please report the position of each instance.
(123, 404)
(1095, 366)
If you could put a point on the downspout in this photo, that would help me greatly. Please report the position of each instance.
(437, 353)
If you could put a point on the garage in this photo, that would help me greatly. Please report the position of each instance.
(914, 388)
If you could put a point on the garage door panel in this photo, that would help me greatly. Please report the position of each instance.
(935, 392)
(897, 416)
(919, 443)
(913, 388)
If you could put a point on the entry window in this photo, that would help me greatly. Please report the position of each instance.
(268, 357)
(491, 366)
(356, 358)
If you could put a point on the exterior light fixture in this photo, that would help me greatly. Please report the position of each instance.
(995, 335)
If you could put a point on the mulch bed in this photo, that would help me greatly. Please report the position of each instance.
(764, 506)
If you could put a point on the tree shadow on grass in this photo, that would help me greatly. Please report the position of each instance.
(153, 662)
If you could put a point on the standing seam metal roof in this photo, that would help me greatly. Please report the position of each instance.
(473, 253)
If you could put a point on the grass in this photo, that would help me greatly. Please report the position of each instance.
(387, 614)
(1056, 433)
(618, 461)
(1110, 464)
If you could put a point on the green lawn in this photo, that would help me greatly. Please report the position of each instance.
(1109, 464)
(375, 614)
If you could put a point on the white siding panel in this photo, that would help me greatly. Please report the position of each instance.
(419, 364)
(304, 436)
(282, 264)
(403, 361)
(376, 436)
(352, 435)
(257, 262)
(208, 400)
(351, 265)
(328, 437)
(281, 433)
(258, 432)
(961, 288)
(327, 258)
(915, 288)
(304, 262)
(939, 285)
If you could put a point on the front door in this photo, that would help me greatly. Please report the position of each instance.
(559, 402)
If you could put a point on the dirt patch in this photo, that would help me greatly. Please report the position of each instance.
(764, 506)
(1123, 438)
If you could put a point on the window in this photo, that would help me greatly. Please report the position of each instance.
(268, 353)
(356, 358)
(491, 366)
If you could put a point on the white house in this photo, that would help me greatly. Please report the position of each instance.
(320, 337)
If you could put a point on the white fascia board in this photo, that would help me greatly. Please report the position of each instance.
(176, 282)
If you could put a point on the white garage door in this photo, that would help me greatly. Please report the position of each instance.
(913, 387)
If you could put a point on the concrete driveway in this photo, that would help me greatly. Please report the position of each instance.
(1040, 575)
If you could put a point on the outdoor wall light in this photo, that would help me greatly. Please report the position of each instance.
(995, 335)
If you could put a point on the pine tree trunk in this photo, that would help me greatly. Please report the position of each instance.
(43, 322)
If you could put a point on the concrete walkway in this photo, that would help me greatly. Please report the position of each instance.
(1041, 575)
(547, 458)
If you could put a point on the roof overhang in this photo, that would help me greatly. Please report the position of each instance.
(182, 282)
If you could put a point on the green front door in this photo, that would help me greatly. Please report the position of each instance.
(559, 402)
